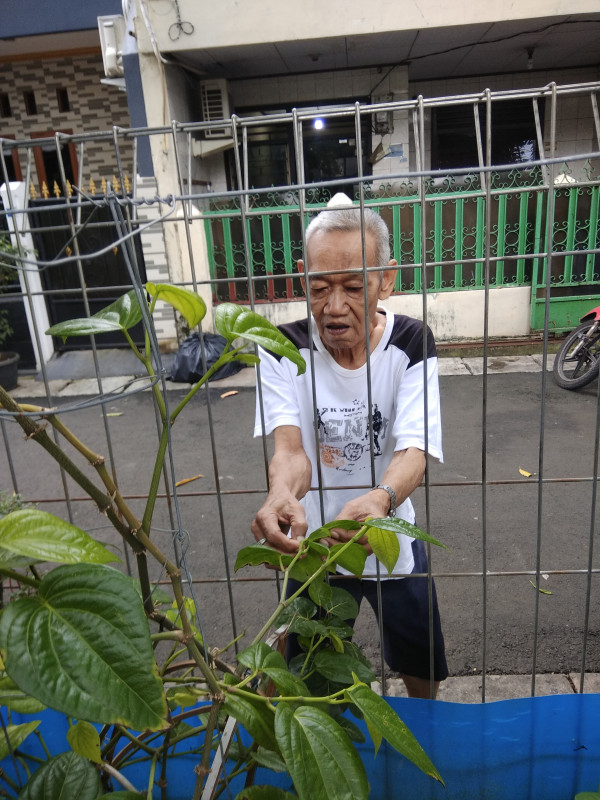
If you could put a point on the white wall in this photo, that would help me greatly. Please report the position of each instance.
(452, 316)
(232, 23)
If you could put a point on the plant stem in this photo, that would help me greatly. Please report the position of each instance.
(153, 490)
(204, 767)
(17, 576)
(9, 781)
(151, 777)
(284, 603)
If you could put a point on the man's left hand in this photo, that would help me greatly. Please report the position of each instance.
(373, 504)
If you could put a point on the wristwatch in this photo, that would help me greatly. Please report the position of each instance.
(392, 494)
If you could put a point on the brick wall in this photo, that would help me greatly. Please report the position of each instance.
(93, 107)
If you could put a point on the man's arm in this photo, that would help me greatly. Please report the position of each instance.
(289, 480)
(404, 474)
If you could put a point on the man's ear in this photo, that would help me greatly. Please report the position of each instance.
(388, 279)
(302, 278)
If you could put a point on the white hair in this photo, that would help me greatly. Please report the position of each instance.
(342, 216)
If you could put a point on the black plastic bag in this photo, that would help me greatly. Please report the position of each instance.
(187, 365)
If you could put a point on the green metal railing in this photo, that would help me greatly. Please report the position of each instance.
(453, 254)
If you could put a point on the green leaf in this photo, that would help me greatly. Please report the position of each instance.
(287, 684)
(300, 607)
(587, 796)
(82, 646)
(340, 667)
(255, 717)
(341, 604)
(256, 554)
(67, 776)
(13, 698)
(398, 525)
(16, 736)
(121, 315)
(307, 627)
(380, 716)
(269, 760)
(352, 731)
(233, 322)
(38, 534)
(189, 304)
(343, 524)
(338, 627)
(183, 697)
(352, 558)
(265, 793)
(85, 740)
(247, 358)
(10, 560)
(319, 591)
(385, 545)
(253, 657)
(320, 757)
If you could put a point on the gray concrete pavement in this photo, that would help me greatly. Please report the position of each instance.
(512, 444)
(70, 385)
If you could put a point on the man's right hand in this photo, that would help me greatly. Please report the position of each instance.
(278, 515)
(289, 479)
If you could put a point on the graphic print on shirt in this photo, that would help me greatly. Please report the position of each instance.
(344, 435)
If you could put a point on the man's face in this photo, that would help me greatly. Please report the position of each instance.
(337, 300)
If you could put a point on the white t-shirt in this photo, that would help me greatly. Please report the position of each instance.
(342, 419)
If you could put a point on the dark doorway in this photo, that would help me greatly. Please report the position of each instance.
(105, 277)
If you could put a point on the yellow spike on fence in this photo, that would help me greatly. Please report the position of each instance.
(69, 189)
(32, 191)
(92, 186)
(103, 185)
(45, 192)
(56, 189)
(127, 184)
(116, 184)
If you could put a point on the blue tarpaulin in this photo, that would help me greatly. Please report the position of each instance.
(542, 747)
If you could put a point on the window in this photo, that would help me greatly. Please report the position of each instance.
(454, 142)
(329, 152)
(5, 109)
(62, 98)
(30, 104)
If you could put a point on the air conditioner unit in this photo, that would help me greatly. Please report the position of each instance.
(216, 107)
(112, 32)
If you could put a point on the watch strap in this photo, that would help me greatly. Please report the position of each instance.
(392, 494)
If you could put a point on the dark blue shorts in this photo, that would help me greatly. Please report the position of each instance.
(405, 606)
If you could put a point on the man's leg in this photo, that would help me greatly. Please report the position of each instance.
(405, 603)
(420, 687)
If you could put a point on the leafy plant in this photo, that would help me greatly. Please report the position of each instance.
(84, 638)
(7, 275)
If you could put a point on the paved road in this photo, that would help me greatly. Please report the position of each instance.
(507, 534)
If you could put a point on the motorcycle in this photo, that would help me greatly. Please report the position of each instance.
(577, 362)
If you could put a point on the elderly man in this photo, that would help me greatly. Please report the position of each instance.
(354, 342)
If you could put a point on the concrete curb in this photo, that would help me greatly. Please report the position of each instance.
(468, 689)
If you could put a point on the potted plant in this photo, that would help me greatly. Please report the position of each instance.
(9, 360)
(123, 661)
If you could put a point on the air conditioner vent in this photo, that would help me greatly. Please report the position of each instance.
(216, 107)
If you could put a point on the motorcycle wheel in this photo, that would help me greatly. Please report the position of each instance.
(574, 371)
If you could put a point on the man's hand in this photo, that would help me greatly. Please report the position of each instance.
(289, 480)
(279, 514)
(375, 503)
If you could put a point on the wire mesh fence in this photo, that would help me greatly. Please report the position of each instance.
(511, 534)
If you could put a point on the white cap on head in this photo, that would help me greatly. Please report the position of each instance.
(339, 200)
